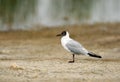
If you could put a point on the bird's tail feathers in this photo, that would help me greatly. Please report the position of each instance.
(94, 55)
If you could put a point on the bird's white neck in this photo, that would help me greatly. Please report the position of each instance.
(65, 39)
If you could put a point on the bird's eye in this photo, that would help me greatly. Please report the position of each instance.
(64, 33)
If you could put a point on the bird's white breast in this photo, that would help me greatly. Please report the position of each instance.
(64, 41)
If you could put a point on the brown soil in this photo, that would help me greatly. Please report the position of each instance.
(37, 56)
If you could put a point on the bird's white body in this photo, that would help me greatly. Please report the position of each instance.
(65, 40)
(72, 45)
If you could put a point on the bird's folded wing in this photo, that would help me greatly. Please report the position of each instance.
(76, 47)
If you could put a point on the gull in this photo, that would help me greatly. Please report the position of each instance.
(74, 47)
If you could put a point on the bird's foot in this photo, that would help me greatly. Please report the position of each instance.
(71, 62)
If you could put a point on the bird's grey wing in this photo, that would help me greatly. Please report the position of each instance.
(76, 47)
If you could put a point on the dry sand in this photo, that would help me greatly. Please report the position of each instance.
(37, 56)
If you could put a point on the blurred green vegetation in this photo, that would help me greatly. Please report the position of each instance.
(18, 11)
(74, 8)
(12, 10)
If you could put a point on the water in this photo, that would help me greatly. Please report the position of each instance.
(61, 12)
(105, 11)
(14, 14)
(23, 14)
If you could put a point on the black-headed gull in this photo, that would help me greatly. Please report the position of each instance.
(74, 47)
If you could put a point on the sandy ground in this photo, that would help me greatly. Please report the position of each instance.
(37, 56)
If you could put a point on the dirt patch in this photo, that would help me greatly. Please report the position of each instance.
(37, 56)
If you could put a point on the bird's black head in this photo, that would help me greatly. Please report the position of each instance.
(62, 34)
